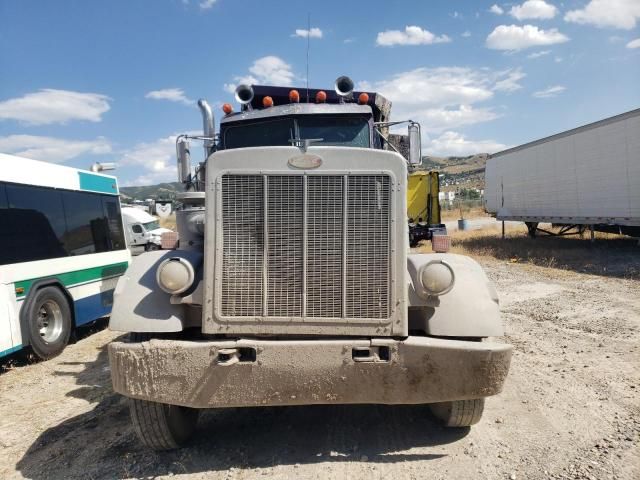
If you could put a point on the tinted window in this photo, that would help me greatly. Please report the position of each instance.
(86, 224)
(33, 225)
(263, 134)
(111, 207)
(342, 131)
(3, 196)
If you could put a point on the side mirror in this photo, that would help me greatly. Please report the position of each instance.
(184, 160)
(415, 144)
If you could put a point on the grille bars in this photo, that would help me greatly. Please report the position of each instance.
(313, 246)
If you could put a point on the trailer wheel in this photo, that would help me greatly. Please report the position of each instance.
(48, 322)
(161, 426)
(459, 413)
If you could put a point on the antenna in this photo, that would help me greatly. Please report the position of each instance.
(308, 45)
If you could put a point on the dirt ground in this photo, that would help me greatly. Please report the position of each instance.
(570, 408)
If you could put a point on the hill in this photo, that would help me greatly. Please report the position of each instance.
(467, 172)
(162, 190)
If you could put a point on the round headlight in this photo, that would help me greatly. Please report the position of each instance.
(437, 277)
(175, 275)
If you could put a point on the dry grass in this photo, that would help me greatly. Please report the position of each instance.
(609, 255)
(454, 213)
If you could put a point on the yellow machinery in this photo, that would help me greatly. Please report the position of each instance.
(423, 206)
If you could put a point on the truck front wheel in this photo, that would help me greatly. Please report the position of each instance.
(459, 413)
(160, 426)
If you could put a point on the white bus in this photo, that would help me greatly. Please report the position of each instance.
(62, 250)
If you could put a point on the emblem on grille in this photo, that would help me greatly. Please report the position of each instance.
(306, 161)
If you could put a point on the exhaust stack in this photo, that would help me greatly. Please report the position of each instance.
(208, 126)
(344, 88)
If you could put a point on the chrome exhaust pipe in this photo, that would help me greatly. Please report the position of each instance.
(208, 126)
(244, 95)
(344, 87)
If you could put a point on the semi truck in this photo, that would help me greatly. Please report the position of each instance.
(142, 231)
(587, 177)
(293, 282)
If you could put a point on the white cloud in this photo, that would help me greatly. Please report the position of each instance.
(412, 35)
(170, 94)
(496, 9)
(634, 43)
(269, 70)
(49, 106)
(50, 149)
(510, 82)
(515, 37)
(157, 159)
(538, 9)
(349, 40)
(623, 14)
(466, 34)
(444, 98)
(539, 54)
(207, 4)
(304, 33)
(455, 144)
(549, 92)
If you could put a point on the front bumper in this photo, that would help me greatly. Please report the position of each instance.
(247, 372)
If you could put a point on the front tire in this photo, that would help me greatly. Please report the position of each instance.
(160, 426)
(459, 413)
(48, 322)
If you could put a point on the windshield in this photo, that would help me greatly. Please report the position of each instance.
(151, 225)
(342, 131)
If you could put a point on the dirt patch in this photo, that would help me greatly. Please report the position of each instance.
(570, 407)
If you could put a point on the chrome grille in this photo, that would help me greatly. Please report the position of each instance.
(284, 246)
(306, 246)
(243, 245)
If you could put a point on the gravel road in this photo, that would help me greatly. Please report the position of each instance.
(570, 408)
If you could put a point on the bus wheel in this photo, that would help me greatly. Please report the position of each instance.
(49, 326)
(160, 426)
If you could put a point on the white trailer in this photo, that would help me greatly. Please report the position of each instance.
(588, 176)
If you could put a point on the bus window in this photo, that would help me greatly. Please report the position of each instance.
(111, 207)
(33, 225)
(83, 212)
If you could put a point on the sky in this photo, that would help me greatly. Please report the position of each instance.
(115, 81)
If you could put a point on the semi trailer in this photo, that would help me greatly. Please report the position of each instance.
(588, 177)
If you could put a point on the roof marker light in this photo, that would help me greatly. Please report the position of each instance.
(294, 96)
(267, 102)
(363, 98)
(321, 96)
(227, 108)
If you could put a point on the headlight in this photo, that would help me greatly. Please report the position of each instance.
(437, 277)
(175, 275)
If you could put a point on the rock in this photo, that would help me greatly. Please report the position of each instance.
(512, 476)
(364, 458)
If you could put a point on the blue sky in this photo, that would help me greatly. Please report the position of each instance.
(86, 81)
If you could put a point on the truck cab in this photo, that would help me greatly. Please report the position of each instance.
(293, 283)
(142, 230)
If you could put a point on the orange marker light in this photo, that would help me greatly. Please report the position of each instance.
(294, 96)
(227, 108)
(267, 102)
(363, 98)
(321, 96)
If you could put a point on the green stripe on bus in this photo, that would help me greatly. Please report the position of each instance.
(73, 278)
(97, 183)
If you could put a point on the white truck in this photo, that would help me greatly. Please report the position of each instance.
(293, 283)
(585, 177)
(142, 231)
